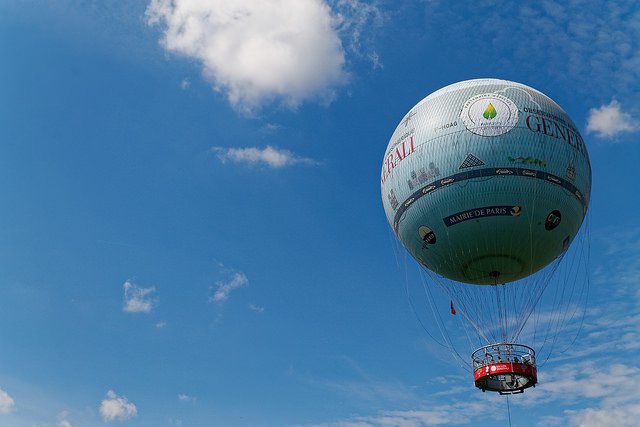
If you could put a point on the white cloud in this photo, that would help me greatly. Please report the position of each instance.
(270, 156)
(62, 419)
(6, 402)
(225, 288)
(161, 324)
(609, 120)
(186, 398)
(185, 84)
(255, 51)
(270, 128)
(116, 407)
(137, 299)
(256, 308)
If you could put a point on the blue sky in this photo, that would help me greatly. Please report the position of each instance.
(192, 232)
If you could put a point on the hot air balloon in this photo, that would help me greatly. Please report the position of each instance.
(486, 183)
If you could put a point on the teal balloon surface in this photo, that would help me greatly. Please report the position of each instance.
(486, 181)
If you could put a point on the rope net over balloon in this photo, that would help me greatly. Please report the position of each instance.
(545, 311)
(486, 184)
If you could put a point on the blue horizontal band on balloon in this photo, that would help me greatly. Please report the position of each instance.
(483, 173)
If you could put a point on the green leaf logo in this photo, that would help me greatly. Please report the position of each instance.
(490, 112)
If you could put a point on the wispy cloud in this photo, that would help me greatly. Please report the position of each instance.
(457, 413)
(256, 308)
(356, 22)
(593, 383)
(138, 299)
(594, 392)
(116, 407)
(186, 398)
(223, 289)
(609, 120)
(63, 419)
(256, 51)
(436, 415)
(596, 52)
(622, 416)
(269, 156)
(270, 128)
(356, 384)
(6, 402)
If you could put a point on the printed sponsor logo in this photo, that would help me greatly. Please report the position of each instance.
(571, 172)
(427, 235)
(423, 175)
(428, 189)
(393, 200)
(554, 127)
(528, 161)
(408, 117)
(553, 220)
(504, 172)
(489, 114)
(489, 172)
(408, 202)
(481, 213)
(445, 126)
(471, 161)
(401, 151)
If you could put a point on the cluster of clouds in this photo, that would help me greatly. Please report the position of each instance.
(112, 408)
(593, 47)
(297, 50)
(595, 393)
(592, 384)
(138, 299)
(256, 52)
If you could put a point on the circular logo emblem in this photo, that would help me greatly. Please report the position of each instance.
(553, 220)
(427, 234)
(489, 114)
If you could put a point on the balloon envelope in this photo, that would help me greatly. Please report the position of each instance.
(486, 181)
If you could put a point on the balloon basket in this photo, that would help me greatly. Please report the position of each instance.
(505, 368)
